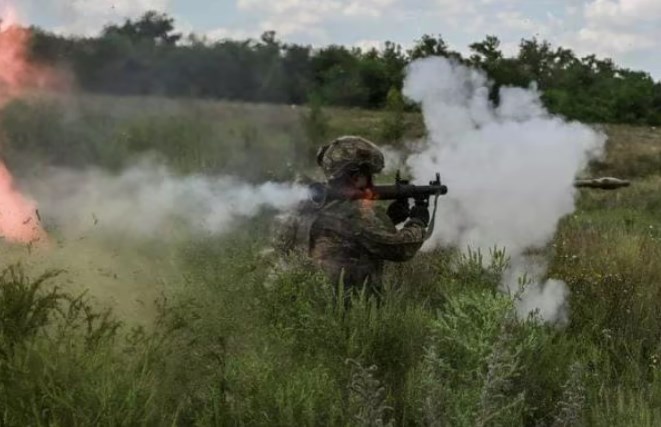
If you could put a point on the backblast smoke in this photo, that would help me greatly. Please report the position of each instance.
(147, 200)
(510, 168)
(19, 221)
(116, 234)
(97, 220)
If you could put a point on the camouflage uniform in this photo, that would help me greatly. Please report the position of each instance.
(350, 240)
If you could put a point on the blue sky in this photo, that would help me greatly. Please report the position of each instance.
(626, 30)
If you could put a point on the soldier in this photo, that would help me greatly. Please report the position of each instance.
(351, 239)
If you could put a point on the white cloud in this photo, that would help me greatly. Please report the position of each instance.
(454, 8)
(480, 17)
(304, 22)
(517, 21)
(125, 8)
(287, 6)
(617, 42)
(608, 43)
(89, 16)
(288, 17)
(348, 7)
(308, 16)
(622, 12)
(367, 8)
(222, 33)
(510, 26)
(616, 27)
(369, 44)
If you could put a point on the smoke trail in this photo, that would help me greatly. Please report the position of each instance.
(148, 201)
(510, 168)
(18, 221)
(118, 235)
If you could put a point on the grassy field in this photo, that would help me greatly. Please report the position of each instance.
(222, 336)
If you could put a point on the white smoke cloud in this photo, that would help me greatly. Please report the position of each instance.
(148, 200)
(115, 235)
(509, 168)
(546, 298)
(393, 158)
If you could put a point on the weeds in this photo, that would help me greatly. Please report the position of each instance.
(244, 341)
(571, 406)
(368, 397)
(25, 308)
(499, 404)
(61, 363)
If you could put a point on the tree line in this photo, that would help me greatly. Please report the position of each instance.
(147, 56)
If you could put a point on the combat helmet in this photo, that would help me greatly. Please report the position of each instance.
(347, 154)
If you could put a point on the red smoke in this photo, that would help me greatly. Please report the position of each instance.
(19, 220)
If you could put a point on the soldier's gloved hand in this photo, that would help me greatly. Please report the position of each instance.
(420, 212)
(398, 211)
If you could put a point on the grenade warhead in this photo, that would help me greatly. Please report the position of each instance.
(605, 183)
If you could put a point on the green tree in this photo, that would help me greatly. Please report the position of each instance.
(152, 26)
(144, 56)
(487, 53)
(316, 126)
(429, 46)
(338, 78)
(393, 126)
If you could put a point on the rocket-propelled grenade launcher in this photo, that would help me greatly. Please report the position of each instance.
(321, 193)
(605, 183)
(402, 189)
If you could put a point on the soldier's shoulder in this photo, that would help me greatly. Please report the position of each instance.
(291, 229)
(338, 216)
(341, 208)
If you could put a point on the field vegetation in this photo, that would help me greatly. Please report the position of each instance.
(234, 339)
(147, 56)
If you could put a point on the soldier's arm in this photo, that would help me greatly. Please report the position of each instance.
(374, 231)
(386, 242)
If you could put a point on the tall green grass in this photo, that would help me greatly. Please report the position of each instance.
(250, 141)
(245, 339)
